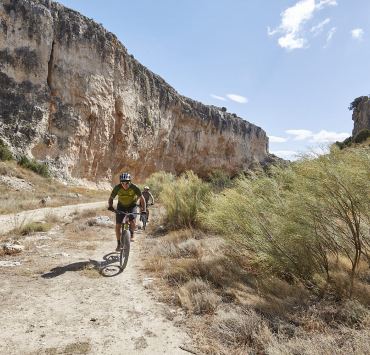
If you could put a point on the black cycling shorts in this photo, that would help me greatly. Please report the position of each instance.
(119, 217)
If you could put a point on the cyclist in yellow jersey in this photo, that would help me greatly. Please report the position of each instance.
(128, 194)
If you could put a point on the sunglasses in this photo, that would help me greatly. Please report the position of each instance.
(125, 182)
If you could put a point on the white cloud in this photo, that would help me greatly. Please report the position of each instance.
(221, 98)
(275, 139)
(286, 154)
(300, 134)
(320, 137)
(324, 3)
(237, 98)
(330, 35)
(293, 20)
(357, 33)
(328, 137)
(316, 30)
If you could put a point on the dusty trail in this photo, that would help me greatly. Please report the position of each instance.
(56, 302)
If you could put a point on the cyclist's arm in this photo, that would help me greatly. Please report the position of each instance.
(140, 197)
(151, 197)
(142, 203)
(113, 195)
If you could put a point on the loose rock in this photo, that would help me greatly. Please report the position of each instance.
(12, 248)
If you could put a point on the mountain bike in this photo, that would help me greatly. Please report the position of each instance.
(144, 217)
(125, 237)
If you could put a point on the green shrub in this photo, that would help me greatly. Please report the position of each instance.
(292, 220)
(219, 180)
(183, 198)
(39, 168)
(34, 227)
(5, 153)
(157, 181)
(346, 143)
(362, 136)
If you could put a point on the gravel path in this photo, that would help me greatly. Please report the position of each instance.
(56, 301)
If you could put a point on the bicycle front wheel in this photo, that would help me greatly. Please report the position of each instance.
(125, 250)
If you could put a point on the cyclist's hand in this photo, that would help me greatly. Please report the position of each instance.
(111, 208)
(152, 204)
(143, 212)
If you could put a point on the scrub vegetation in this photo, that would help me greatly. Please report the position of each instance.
(275, 262)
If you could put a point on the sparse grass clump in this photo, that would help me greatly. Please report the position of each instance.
(243, 327)
(196, 296)
(33, 227)
(38, 168)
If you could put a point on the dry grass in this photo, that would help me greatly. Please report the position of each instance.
(85, 214)
(343, 341)
(196, 296)
(232, 309)
(241, 327)
(12, 200)
(32, 227)
(51, 217)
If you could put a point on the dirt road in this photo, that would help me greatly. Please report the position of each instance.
(56, 301)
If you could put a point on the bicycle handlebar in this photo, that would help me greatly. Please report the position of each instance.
(127, 213)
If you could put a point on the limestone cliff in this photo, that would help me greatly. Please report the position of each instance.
(361, 114)
(72, 96)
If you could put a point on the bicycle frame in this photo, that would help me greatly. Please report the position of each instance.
(125, 238)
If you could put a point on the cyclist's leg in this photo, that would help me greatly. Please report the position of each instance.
(132, 220)
(119, 219)
(132, 229)
(147, 214)
(118, 235)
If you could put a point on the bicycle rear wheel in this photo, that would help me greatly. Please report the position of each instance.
(143, 219)
(125, 250)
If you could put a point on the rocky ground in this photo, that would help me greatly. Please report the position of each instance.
(55, 299)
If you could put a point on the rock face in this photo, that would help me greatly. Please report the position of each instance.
(72, 96)
(361, 115)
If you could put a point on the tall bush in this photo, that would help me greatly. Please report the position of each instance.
(291, 221)
(183, 199)
(157, 181)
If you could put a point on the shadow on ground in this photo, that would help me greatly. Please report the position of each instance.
(106, 267)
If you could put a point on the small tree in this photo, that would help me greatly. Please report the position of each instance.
(356, 102)
(5, 153)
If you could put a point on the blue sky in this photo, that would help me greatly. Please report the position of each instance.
(291, 67)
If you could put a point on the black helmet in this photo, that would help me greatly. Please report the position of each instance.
(125, 177)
